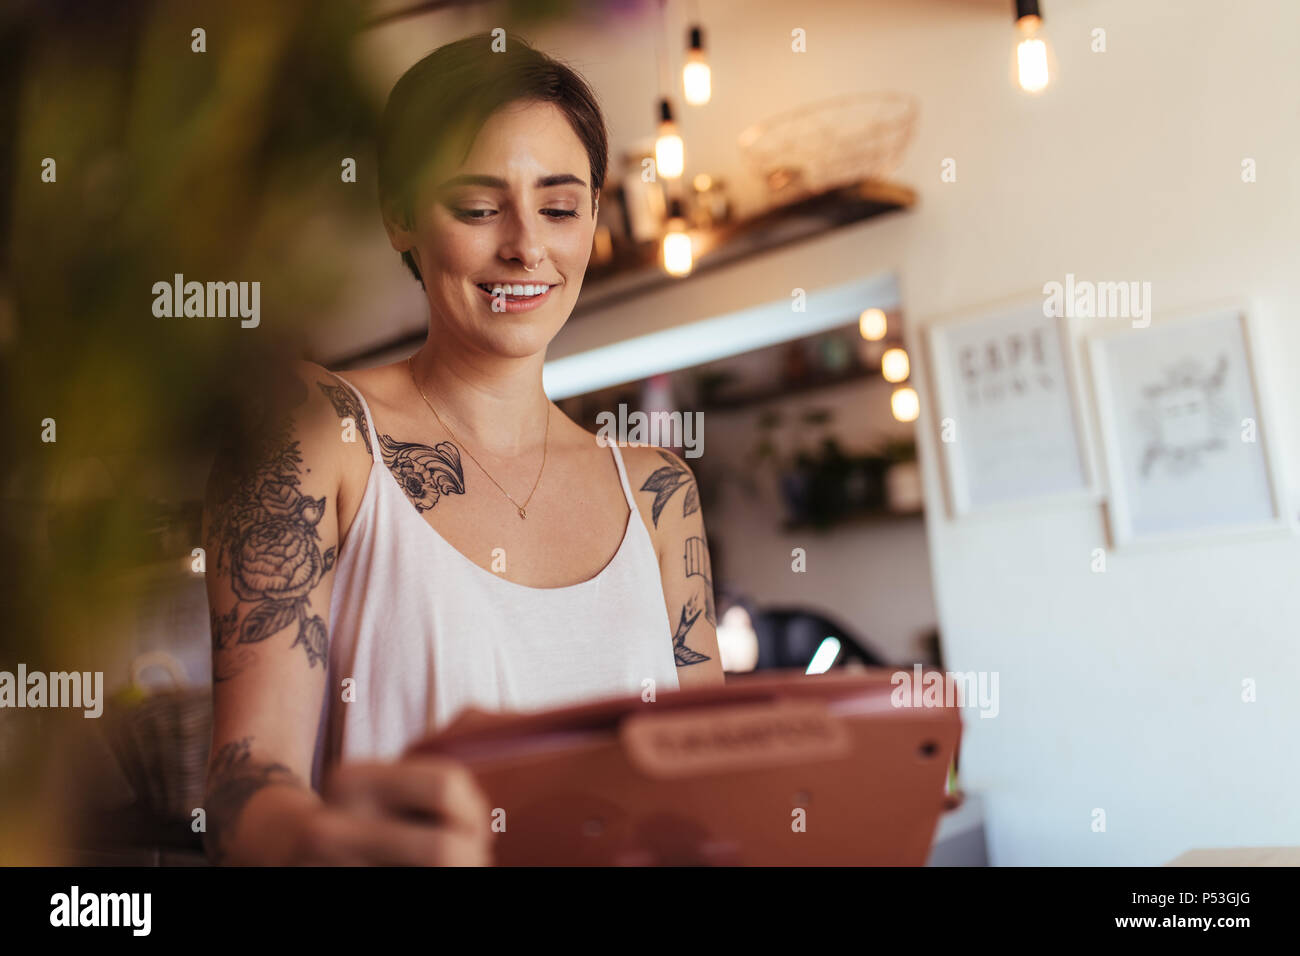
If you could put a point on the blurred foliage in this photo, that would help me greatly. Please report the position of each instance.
(223, 166)
(219, 165)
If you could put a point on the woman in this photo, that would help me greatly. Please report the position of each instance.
(434, 535)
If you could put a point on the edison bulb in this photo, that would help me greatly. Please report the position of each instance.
(1032, 72)
(872, 324)
(904, 404)
(670, 153)
(697, 79)
(894, 365)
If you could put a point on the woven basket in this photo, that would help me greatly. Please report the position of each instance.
(161, 738)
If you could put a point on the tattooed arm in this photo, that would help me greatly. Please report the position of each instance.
(271, 533)
(667, 486)
(271, 536)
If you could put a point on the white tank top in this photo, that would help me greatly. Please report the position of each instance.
(423, 631)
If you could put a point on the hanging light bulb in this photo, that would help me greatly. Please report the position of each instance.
(872, 324)
(678, 257)
(1032, 71)
(670, 155)
(904, 404)
(894, 365)
(697, 78)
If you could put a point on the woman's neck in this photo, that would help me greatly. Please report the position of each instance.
(495, 403)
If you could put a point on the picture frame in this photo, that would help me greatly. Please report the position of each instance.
(1174, 400)
(1010, 420)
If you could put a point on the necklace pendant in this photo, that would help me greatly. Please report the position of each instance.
(523, 513)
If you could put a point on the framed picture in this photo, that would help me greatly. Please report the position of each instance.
(1188, 445)
(1008, 415)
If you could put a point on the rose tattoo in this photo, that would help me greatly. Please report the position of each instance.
(266, 534)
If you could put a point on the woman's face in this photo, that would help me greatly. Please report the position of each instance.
(521, 198)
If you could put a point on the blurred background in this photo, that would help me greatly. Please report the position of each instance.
(849, 172)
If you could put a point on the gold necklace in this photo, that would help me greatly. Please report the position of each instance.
(522, 509)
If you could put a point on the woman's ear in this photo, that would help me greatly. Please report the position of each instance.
(397, 225)
(401, 236)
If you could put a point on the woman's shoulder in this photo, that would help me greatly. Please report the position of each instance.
(651, 463)
(663, 486)
(381, 385)
(325, 397)
(641, 462)
(327, 421)
(284, 394)
(283, 423)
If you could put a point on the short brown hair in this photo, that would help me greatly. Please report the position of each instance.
(441, 103)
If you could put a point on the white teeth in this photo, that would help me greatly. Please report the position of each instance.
(517, 290)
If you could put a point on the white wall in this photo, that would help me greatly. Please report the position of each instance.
(1121, 690)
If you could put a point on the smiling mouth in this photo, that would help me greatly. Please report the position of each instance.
(508, 302)
(521, 291)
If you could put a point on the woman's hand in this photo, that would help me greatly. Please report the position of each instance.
(415, 811)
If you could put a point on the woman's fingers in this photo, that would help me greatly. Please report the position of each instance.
(435, 789)
(353, 840)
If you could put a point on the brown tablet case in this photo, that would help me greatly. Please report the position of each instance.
(785, 769)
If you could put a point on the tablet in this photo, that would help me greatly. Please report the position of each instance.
(779, 769)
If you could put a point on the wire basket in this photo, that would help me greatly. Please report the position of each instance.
(830, 143)
(161, 738)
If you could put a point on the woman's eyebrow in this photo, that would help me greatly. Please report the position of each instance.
(495, 182)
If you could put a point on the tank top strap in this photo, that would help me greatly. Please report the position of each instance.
(622, 476)
(366, 418)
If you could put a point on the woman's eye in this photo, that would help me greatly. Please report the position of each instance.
(477, 215)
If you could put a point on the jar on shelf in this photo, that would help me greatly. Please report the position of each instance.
(644, 201)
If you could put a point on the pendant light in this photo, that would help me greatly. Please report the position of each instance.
(678, 256)
(1032, 73)
(894, 365)
(872, 324)
(905, 404)
(670, 154)
(697, 78)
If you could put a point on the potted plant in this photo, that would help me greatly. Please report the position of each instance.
(820, 484)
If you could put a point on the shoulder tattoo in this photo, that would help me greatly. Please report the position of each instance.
(665, 482)
(346, 405)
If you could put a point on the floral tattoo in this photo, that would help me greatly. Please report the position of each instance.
(264, 532)
(425, 474)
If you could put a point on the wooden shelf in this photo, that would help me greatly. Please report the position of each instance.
(636, 271)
